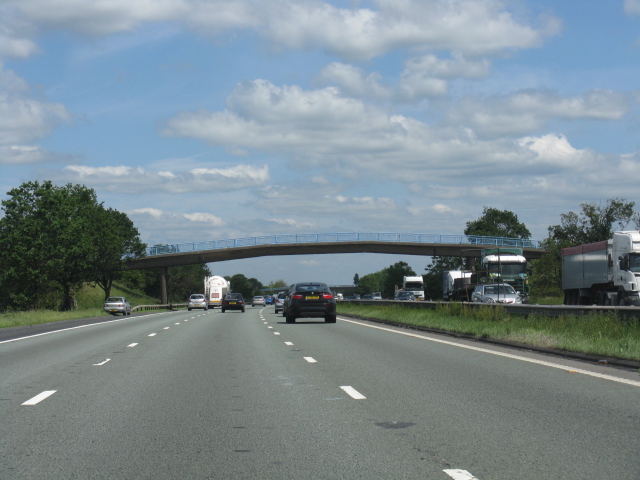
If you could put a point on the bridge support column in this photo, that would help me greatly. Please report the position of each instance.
(163, 286)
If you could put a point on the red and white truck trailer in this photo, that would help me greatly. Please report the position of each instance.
(603, 273)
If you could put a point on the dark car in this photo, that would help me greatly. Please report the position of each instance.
(232, 301)
(310, 299)
(404, 295)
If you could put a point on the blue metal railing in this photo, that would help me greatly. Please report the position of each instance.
(342, 237)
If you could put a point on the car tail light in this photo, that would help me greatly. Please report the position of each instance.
(327, 296)
(296, 296)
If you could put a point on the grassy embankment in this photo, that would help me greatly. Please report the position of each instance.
(598, 333)
(90, 300)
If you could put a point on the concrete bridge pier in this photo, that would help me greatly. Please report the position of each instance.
(163, 285)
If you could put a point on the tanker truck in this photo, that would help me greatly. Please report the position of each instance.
(215, 288)
(603, 273)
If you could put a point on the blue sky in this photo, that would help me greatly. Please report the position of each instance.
(205, 120)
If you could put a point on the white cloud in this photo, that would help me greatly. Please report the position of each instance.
(206, 218)
(127, 179)
(23, 117)
(632, 7)
(530, 110)
(154, 212)
(469, 26)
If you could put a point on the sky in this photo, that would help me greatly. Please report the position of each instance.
(216, 119)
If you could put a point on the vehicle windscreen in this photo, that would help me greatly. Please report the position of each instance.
(312, 288)
(114, 299)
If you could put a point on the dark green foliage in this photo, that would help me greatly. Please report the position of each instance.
(393, 278)
(373, 282)
(248, 287)
(497, 223)
(53, 239)
(182, 281)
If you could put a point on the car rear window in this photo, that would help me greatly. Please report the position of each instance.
(316, 287)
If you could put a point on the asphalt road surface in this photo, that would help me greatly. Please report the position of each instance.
(247, 396)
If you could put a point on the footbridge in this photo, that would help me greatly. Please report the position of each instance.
(423, 244)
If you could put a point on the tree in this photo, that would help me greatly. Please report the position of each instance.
(372, 282)
(248, 287)
(595, 223)
(118, 241)
(393, 277)
(182, 281)
(356, 279)
(497, 223)
(48, 240)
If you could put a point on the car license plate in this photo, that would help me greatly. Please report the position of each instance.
(232, 303)
(313, 298)
(113, 310)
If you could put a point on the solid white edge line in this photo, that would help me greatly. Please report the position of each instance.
(79, 326)
(353, 393)
(38, 398)
(310, 359)
(506, 355)
(458, 474)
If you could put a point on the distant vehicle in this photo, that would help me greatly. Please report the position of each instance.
(368, 296)
(414, 285)
(268, 300)
(198, 300)
(258, 300)
(278, 301)
(215, 288)
(116, 305)
(233, 301)
(339, 296)
(310, 299)
(377, 295)
(495, 293)
(603, 273)
(405, 296)
(353, 296)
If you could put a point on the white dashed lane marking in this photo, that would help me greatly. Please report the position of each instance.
(353, 393)
(40, 397)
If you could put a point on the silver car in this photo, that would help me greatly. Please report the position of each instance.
(116, 305)
(278, 301)
(495, 293)
(197, 300)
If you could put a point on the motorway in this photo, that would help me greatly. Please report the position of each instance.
(208, 395)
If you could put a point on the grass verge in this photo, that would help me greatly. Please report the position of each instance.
(90, 300)
(602, 334)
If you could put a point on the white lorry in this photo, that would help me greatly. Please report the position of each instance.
(414, 285)
(457, 285)
(215, 288)
(603, 273)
